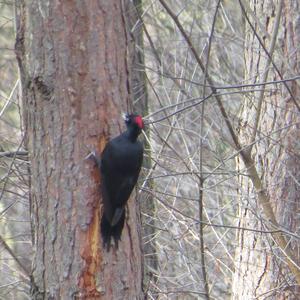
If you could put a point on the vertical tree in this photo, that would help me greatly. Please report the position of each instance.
(270, 119)
(74, 66)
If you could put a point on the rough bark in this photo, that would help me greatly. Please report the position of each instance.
(260, 266)
(75, 81)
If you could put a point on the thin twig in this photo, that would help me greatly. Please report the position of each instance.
(201, 181)
(181, 109)
(12, 254)
(13, 153)
(9, 98)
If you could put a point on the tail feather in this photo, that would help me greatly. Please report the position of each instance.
(110, 232)
(117, 216)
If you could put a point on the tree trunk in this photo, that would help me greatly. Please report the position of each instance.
(75, 81)
(261, 267)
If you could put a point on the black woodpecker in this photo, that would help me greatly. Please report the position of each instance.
(119, 165)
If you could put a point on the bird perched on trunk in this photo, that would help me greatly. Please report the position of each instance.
(120, 165)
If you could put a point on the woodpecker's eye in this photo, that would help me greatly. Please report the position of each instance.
(127, 118)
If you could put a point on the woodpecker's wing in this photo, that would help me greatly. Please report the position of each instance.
(122, 195)
(120, 167)
(107, 172)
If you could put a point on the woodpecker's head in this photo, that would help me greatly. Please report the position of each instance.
(134, 121)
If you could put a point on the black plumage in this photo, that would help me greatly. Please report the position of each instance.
(121, 162)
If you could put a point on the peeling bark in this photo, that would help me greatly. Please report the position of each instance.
(75, 81)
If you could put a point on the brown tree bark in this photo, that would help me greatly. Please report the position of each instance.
(261, 266)
(75, 82)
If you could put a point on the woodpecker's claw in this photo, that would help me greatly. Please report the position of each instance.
(93, 156)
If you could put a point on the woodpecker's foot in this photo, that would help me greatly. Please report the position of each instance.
(93, 156)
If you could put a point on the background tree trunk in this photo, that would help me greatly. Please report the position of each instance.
(260, 266)
(75, 81)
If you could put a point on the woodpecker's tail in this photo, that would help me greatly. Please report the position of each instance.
(108, 231)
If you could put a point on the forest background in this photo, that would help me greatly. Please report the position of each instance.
(218, 84)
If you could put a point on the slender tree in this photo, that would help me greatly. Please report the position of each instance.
(74, 66)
